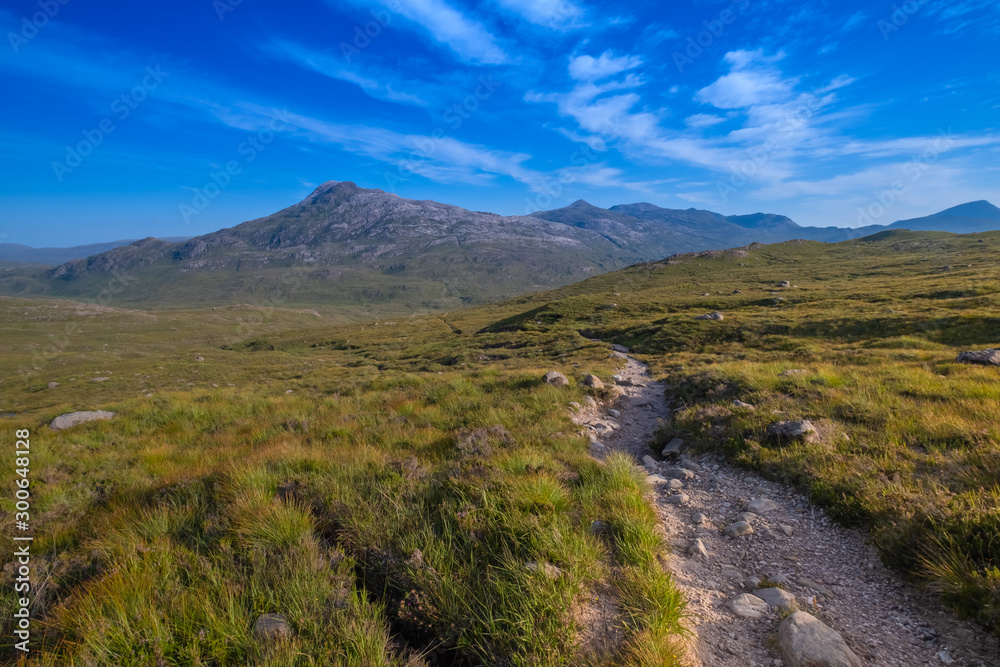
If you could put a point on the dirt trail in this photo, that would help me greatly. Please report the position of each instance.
(832, 571)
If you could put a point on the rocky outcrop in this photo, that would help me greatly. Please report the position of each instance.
(808, 642)
(71, 419)
(980, 357)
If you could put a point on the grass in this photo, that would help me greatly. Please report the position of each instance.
(405, 503)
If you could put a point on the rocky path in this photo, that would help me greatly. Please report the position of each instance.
(832, 572)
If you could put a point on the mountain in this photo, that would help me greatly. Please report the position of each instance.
(22, 254)
(348, 247)
(977, 216)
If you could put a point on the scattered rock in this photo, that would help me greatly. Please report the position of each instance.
(556, 379)
(655, 480)
(777, 598)
(676, 484)
(786, 529)
(616, 378)
(739, 529)
(748, 606)
(548, 569)
(589, 402)
(593, 381)
(679, 473)
(673, 447)
(793, 431)
(199, 358)
(808, 642)
(99, 379)
(615, 413)
(624, 382)
(71, 419)
(620, 348)
(602, 428)
(698, 518)
(688, 464)
(785, 283)
(981, 357)
(272, 627)
(737, 291)
(697, 549)
(791, 372)
(649, 463)
(574, 406)
(752, 583)
(762, 506)
(597, 527)
(741, 404)
(746, 516)
(715, 316)
(53, 385)
(677, 499)
(815, 585)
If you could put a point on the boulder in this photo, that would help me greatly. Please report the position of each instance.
(716, 316)
(272, 627)
(739, 529)
(800, 430)
(556, 379)
(785, 283)
(762, 506)
(981, 357)
(71, 419)
(677, 499)
(697, 549)
(593, 381)
(777, 598)
(679, 473)
(589, 402)
(748, 606)
(808, 642)
(673, 447)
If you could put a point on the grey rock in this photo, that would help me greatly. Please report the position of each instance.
(677, 499)
(615, 413)
(656, 480)
(981, 357)
(815, 585)
(649, 463)
(71, 419)
(574, 406)
(762, 506)
(751, 583)
(748, 606)
(589, 402)
(99, 379)
(673, 447)
(272, 627)
(698, 518)
(548, 569)
(679, 473)
(688, 464)
(808, 642)
(625, 382)
(739, 529)
(602, 428)
(786, 529)
(793, 431)
(53, 385)
(791, 372)
(777, 598)
(742, 405)
(597, 527)
(676, 484)
(556, 379)
(785, 283)
(199, 358)
(697, 549)
(616, 378)
(714, 316)
(619, 348)
(749, 517)
(593, 381)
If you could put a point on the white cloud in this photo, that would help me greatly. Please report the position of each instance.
(469, 39)
(588, 68)
(703, 120)
(556, 14)
(752, 80)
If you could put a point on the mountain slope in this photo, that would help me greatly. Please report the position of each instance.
(15, 252)
(971, 218)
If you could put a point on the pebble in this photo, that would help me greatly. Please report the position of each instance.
(739, 529)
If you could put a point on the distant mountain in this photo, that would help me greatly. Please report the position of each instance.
(22, 254)
(348, 246)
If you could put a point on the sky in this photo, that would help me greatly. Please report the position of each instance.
(124, 119)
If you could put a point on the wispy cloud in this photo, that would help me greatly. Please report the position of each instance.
(589, 68)
(556, 14)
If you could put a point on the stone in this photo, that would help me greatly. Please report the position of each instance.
(815, 585)
(656, 480)
(748, 606)
(800, 430)
(620, 348)
(624, 382)
(698, 518)
(53, 385)
(739, 529)
(589, 402)
(791, 372)
(752, 583)
(199, 358)
(742, 405)
(272, 627)
(679, 473)
(786, 529)
(616, 378)
(71, 419)
(714, 316)
(556, 379)
(697, 549)
(615, 413)
(574, 406)
(762, 506)
(746, 516)
(99, 379)
(808, 642)
(677, 499)
(601, 428)
(675, 484)
(785, 283)
(981, 357)
(548, 569)
(688, 464)
(593, 381)
(649, 463)
(597, 527)
(777, 598)
(673, 447)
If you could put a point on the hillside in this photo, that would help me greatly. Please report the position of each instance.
(22, 254)
(361, 480)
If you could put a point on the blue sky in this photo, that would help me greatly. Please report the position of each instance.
(125, 119)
